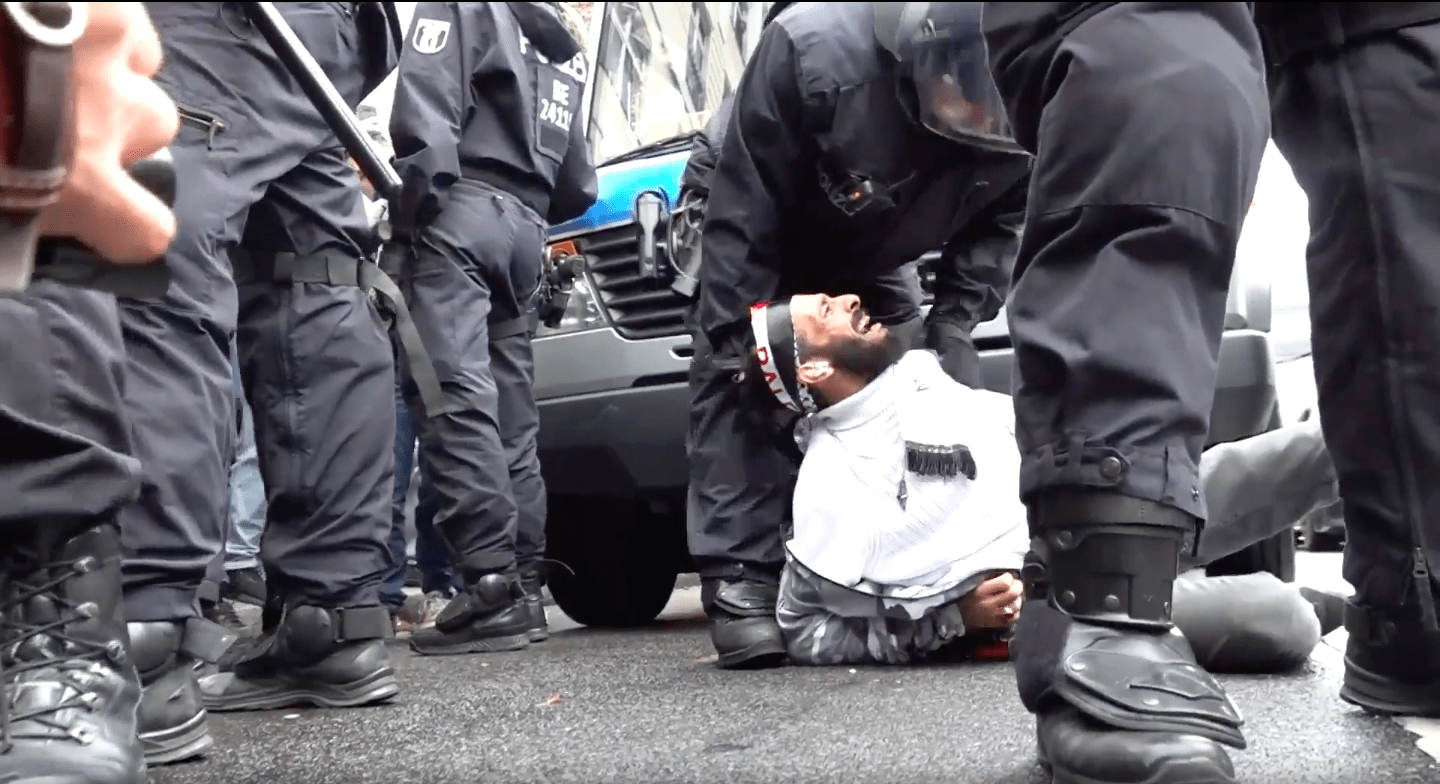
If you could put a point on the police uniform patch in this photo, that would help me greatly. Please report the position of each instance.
(431, 35)
(557, 99)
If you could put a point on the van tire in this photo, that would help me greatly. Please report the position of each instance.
(609, 571)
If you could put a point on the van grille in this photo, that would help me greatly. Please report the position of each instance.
(639, 308)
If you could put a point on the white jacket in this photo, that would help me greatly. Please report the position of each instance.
(851, 525)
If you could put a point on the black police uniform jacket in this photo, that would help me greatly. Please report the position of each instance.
(818, 120)
(492, 92)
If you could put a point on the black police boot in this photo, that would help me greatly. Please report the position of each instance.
(68, 691)
(532, 580)
(329, 658)
(245, 585)
(1116, 692)
(488, 617)
(168, 654)
(1392, 660)
(743, 628)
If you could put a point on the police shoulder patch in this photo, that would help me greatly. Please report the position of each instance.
(431, 35)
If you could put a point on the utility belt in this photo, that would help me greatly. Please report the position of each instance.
(335, 269)
(60, 262)
(522, 190)
(509, 328)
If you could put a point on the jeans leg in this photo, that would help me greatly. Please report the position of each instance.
(393, 591)
(247, 490)
(431, 553)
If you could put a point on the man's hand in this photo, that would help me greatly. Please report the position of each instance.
(994, 604)
(121, 116)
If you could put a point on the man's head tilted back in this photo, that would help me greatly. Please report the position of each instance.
(817, 350)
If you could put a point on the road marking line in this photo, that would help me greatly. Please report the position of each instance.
(1428, 731)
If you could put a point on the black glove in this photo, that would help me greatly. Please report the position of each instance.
(956, 348)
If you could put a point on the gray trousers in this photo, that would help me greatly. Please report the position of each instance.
(1257, 488)
(259, 169)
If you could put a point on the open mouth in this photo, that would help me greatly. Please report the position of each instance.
(861, 322)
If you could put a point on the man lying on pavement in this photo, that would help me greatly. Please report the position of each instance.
(909, 534)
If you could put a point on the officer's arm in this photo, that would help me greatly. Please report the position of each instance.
(972, 277)
(430, 90)
(576, 186)
(763, 157)
(705, 149)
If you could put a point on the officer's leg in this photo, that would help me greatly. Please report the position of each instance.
(63, 478)
(316, 365)
(1147, 150)
(461, 261)
(1246, 623)
(318, 368)
(741, 485)
(179, 381)
(1359, 126)
(512, 360)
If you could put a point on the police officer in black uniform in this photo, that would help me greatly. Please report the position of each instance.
(69, 690)
(841, 164)
(271, 241)
(1149, 121)
(490, 147)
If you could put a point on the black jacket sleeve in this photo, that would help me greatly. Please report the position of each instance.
(765, 152)
(704, 150)
(972, 277)
(576, 185)
(425, 120)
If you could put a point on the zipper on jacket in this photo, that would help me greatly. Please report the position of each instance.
(210, 123)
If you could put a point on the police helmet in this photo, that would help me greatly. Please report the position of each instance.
(941, 52)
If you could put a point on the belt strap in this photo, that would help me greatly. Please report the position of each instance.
(335, 269)
(512, 327)
(355, 624)
(72, 266)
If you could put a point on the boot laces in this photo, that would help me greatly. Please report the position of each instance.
(25, 576)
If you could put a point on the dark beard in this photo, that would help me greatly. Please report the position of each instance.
(864, 359)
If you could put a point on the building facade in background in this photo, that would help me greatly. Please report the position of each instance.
(660, 69)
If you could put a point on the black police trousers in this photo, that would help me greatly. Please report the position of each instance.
(259, 169)
(1148, 151)
(64, 438)
(476, 273)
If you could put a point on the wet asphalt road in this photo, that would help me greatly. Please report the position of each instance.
(596, 707)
